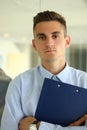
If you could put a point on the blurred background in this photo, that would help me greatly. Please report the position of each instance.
(16, 20)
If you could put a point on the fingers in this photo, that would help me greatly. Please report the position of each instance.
(80, 121)
(25, 122)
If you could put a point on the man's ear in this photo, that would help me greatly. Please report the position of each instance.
(68, 40)
(33, 44)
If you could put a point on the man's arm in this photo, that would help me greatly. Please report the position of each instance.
(25, 123)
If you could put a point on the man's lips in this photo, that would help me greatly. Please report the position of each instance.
(50, 50)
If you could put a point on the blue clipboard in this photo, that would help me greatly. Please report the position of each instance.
(61, 103)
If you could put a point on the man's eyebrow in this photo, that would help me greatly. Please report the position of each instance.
(39, 34)
(42, 34)
(56, 32)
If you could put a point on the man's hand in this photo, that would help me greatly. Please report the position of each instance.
(25, 123)
(80, 121)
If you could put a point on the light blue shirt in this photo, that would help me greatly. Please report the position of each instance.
(24, 91)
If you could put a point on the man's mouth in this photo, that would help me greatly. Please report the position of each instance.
(50, 50)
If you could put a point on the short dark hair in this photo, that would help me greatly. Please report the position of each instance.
(49, 16)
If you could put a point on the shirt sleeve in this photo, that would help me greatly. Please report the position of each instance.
(48, 126)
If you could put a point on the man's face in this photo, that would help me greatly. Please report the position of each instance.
(49, 41)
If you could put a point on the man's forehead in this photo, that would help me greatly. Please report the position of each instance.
(47, 24)
(48, 28)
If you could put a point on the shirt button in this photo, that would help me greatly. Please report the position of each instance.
(77, 90)
(58, 85)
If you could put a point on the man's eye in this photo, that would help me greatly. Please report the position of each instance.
(54, 36)
(42, 37)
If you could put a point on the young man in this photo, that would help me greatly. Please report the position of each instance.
(50, 41)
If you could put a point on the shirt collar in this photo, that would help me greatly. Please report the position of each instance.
(45, 73)
(63, 75)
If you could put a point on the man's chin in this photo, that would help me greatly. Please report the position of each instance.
(51, 60)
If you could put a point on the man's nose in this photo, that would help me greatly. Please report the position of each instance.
(49, 41)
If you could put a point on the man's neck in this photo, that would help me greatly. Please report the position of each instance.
(54, 68)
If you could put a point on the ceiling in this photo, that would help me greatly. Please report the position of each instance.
(16, 18)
